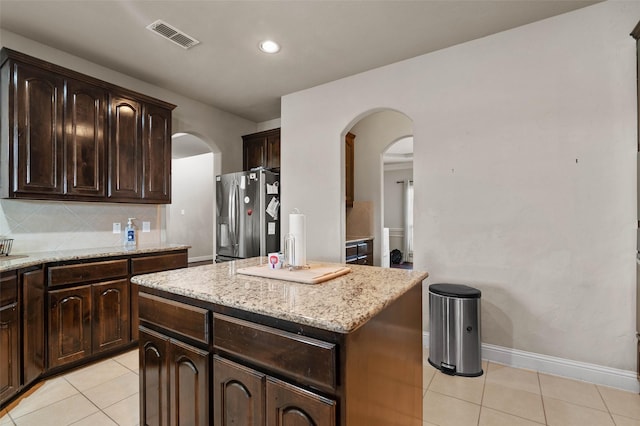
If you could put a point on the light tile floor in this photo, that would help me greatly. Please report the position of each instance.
(106, 393)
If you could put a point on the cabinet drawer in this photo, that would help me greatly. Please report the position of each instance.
(86, 272)
(176, 317)
(157, 263)
(8, 288)
(307, 360)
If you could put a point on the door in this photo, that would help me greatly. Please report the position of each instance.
(32, 325)
(85, 139)
(238, 394)
(37, 132)
(110, 315)
(9, 352)
(289, 405)
(156, 154)
(236, 194)
(154, 380)
(188, 385)
(69, 325)
(250, 213)
(125, 162)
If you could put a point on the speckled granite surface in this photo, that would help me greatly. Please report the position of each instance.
(341, 304)
(17, 261)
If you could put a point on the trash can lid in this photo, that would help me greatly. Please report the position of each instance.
(455, 290)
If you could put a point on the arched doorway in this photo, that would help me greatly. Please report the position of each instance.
(398, 203)
(374, 133)
(190, 215)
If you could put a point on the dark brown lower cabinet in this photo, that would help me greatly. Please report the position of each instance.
(289, 405)
(9, 336)
(88, 319)
(111, 315)
(154, 377)
(33, 346)
(263, 371)
(238, 394)
(174, 380)
(9, 352)
(243, 396)
(69, 325)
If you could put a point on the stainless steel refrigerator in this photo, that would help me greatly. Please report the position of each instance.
(248, 214)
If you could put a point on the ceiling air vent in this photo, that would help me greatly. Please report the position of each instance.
(172, 34)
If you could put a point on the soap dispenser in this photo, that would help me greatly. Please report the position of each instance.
(130, 234)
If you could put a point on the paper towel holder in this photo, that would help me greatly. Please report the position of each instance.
(290, 253)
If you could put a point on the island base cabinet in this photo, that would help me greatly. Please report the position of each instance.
(289, 405)
(243, 396)
(176, 372)
(238, 394)
(154, 380)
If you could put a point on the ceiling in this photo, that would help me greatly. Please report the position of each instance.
(321, 40)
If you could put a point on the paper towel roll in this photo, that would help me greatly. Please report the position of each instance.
(298, 228)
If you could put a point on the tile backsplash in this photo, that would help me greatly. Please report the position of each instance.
(55, 225)
(360, 219)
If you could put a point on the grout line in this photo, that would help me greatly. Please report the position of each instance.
(544, 410)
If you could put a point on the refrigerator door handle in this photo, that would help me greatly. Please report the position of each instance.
(233, 216)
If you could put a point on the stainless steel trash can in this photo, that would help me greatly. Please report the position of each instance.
(454, 329)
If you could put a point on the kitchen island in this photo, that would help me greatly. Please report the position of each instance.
(225, 348)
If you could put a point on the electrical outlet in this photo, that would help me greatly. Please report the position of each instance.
(146, 226)
(116, 227)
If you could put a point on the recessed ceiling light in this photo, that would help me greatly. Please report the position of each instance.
(269, 46)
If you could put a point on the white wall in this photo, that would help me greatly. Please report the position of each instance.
(222, 131)
(191, 213)
(524, 170)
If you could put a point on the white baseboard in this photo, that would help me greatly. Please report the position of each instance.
(592, 373)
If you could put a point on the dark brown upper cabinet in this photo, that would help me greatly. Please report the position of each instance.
(156, 154)
(86, 123)
(261, 149)
(68, 136)
(36, 110)
(125, 158)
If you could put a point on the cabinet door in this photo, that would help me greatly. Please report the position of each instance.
(9, 352)
(288, 405)
(69, 325)
(253, 153)
(33, 361)
(125, 156)
(85, 125)
(110, 315)
(273, 151)
(238, 394)
(154, 380)
(188, 385)
(37, 132)
(349, 168)
(156, 154)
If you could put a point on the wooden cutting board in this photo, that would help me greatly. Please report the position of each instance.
(316, 273)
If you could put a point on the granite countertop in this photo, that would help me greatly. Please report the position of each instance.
(17, 261)
(340, 305)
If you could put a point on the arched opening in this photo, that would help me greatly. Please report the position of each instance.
(397, 197)
(374, 133)
(190, 216)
